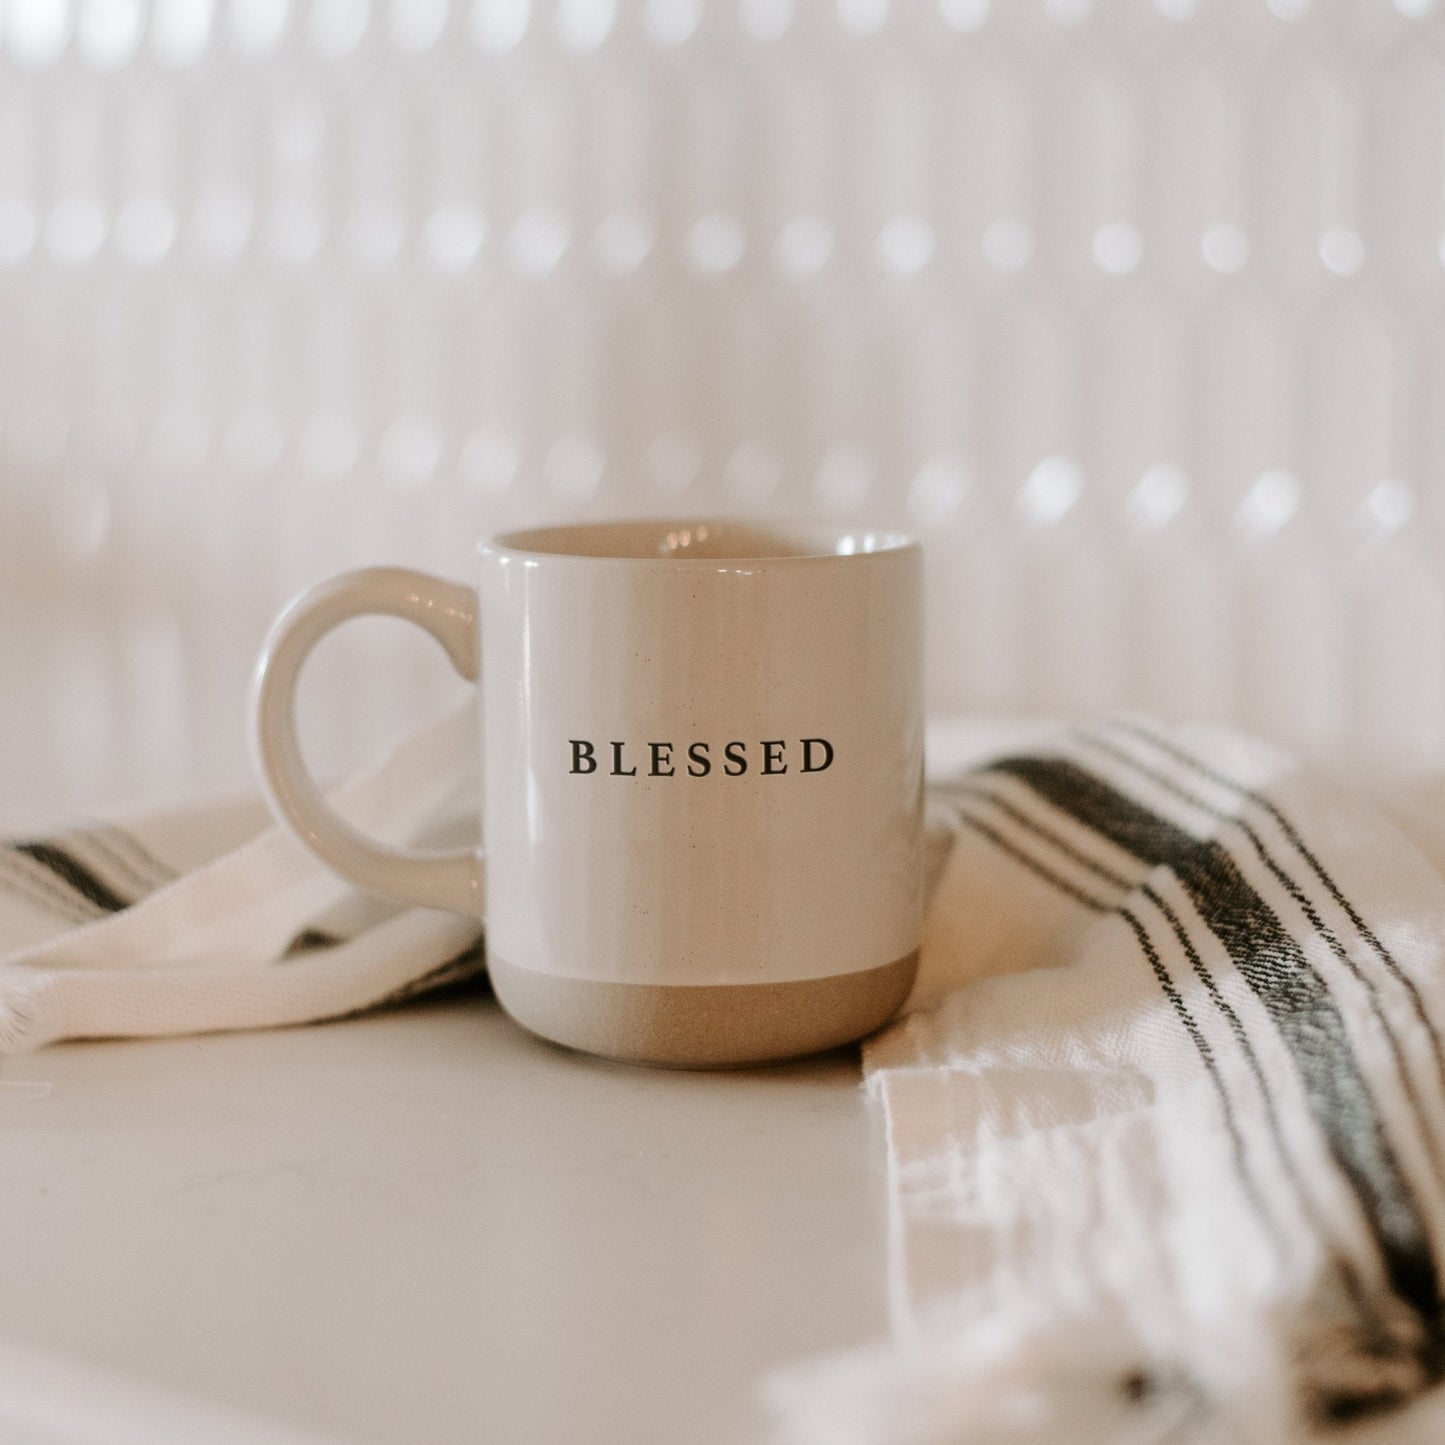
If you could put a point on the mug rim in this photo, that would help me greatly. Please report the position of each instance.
(775, 541)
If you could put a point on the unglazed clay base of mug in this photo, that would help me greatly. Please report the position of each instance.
(702, 1026)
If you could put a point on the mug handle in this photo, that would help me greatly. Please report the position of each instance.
(451, 880)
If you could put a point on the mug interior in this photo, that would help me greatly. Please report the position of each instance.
(705, 540)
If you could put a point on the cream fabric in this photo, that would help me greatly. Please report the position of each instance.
(210, 917)
(1166, 1121)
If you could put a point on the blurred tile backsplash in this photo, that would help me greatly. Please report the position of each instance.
(1132, 308)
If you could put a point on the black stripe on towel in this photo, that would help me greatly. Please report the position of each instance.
(967, 788)
(1298, 1002)
(1303, 903)
(1343, 1267)
(137, 871)
(1375, 1380)
(309, 940)
(1162, 976)
(71, 871)
(1032, 864)
(144, 860)
(1147, 890)
(461, 968)
(38, 888)
(1267, 806)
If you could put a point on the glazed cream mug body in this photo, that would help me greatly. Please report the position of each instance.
(702, 779)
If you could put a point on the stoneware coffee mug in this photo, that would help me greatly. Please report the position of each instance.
(702, 779)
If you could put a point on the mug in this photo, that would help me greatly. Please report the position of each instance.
(702, 779)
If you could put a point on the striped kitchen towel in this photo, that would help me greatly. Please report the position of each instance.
(211, 917)
(1166, 1122)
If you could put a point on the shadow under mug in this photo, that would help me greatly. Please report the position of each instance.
(702, 779)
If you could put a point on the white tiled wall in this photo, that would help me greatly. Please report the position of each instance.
(1133, 309)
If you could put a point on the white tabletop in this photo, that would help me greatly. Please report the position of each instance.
(423, 1227)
